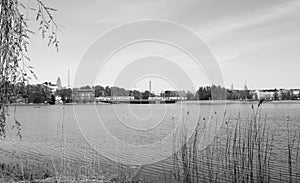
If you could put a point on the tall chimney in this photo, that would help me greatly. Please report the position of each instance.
(69, 78)
(150, 86)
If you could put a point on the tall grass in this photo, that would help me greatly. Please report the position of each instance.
(242, 151)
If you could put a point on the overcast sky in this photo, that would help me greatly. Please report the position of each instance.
(253, 41)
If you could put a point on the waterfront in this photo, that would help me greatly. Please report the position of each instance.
(66, 135)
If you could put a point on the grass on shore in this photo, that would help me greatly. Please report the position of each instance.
(242, 151)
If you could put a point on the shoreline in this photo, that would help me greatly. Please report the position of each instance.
(204, 102)
(239, 102)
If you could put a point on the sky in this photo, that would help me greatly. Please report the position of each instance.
(255, 42)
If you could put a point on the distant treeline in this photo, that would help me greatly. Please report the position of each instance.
(41, 93)
(220, 93)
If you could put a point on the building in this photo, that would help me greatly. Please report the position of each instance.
(295, 92)
(269, 94)
(115, 98)
(58, 83)
(83, 95)
(253, 94)
(156, 98)
(52, 87)
(281, 94)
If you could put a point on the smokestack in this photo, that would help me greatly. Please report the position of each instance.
(68, 78)
(150, 86)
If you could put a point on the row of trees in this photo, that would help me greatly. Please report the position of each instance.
(288, 95)
(101, 91)
(42, 94)
(203, 93)
(220, 93)
(39, 94)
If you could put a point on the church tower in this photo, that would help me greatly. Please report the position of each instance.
(58, 83)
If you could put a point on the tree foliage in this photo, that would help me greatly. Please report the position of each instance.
(65, 94)
(14, 41)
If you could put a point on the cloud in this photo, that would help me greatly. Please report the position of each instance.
(233, 37)
(283, 11)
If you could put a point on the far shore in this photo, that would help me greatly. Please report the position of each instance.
(240, 102)
(204, 102)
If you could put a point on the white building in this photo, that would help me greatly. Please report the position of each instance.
(118, 98)
(296, 92)
(266, 94)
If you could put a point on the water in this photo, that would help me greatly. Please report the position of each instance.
(129, 134)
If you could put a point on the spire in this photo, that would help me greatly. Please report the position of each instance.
(245, 87)
(58, 83)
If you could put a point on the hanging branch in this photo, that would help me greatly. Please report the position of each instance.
(14, 41)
